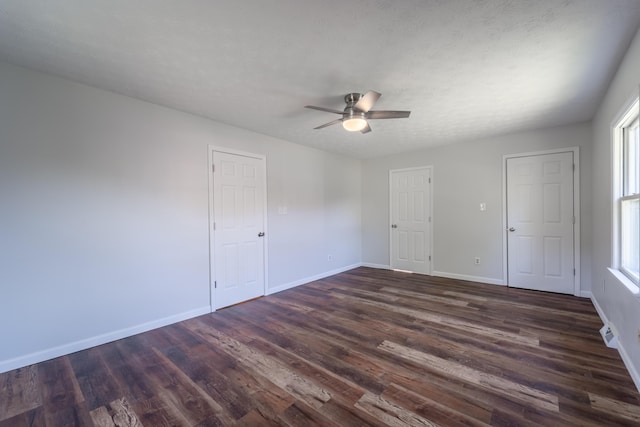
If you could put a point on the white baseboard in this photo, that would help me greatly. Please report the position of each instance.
(585, 294)
(635, 376)
(378, 266)
(479, 279)
(629, 364)
(601, 314)
(64, 349)
(310, 279)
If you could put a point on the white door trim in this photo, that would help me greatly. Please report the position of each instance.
(429, 225)
(576, 210)
(211, 149)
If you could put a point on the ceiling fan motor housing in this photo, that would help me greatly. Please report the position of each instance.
(349, 111)
(352, 98)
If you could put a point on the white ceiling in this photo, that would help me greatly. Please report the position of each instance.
(465, 68)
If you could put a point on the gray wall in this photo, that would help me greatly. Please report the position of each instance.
(464, 175)
(104, 214)
(614, 300)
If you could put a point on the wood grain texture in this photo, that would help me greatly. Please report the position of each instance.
(363, 348)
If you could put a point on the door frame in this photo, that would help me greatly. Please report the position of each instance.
(211, 149)
(576, 211)
(429, 224)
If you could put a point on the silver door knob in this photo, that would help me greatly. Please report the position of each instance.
(512, 229)
(260, 234)
(394, 225)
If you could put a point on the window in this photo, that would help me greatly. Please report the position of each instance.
(628, 193)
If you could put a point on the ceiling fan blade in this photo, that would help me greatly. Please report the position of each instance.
(333, 122)
(367, 100)
(366, 129)
(328, 110)
(386, 114)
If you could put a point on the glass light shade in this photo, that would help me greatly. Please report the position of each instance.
(354, 124)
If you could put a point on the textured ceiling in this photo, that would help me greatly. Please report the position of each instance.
(465, 68)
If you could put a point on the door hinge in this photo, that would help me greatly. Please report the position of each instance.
(573, 166)
(574, 271)
(213, 168)
(429, 257)
(215, 284)
(574, 219)
(214, 226)
(429, 180)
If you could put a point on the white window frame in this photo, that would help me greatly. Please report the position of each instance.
(629, 115)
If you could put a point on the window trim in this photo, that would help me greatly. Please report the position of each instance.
(628, 115)
(629, 274)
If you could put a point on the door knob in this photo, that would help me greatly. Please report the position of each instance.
(512, 229)
(394, 225)
(260, 234)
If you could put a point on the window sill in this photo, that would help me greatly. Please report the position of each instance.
(632, 287)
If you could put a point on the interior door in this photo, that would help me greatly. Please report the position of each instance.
(238, 228)
(410, 220)
(540, 222)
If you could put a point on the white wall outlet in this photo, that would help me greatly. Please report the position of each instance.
(483, 206)
(476, 261)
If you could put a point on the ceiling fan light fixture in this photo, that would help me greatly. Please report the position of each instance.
(354, 124)
(358, 112)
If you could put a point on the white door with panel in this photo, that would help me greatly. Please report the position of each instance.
(410, 220)
(540, 222)
(238, 228)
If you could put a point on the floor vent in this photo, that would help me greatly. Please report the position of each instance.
(610, 339)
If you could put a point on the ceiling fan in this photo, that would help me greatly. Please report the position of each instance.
(358, 111)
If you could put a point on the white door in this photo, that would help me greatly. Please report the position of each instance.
(540, 222)
(238, 228)
(410, 220)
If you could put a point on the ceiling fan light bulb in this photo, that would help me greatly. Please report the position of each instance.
(354, 124)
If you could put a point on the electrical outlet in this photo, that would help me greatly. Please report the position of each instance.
(476, 261)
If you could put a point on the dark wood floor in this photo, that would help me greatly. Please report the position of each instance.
(365, 347)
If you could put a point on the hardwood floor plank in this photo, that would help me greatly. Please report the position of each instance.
(94, 378)
(329, 354)
(299, 414)
(429, 408)
(185, 396)
(221, 378)
(421, 296)
(390, 413)
(344, 414)
(118, 413)
(255, 418)
(62, 397)
(521, 392)
(156, 412)
(30, 418)
(20, 391)
(101, 417)
(449, 321)
(128, 373)
(260, 363)
(625, 410)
